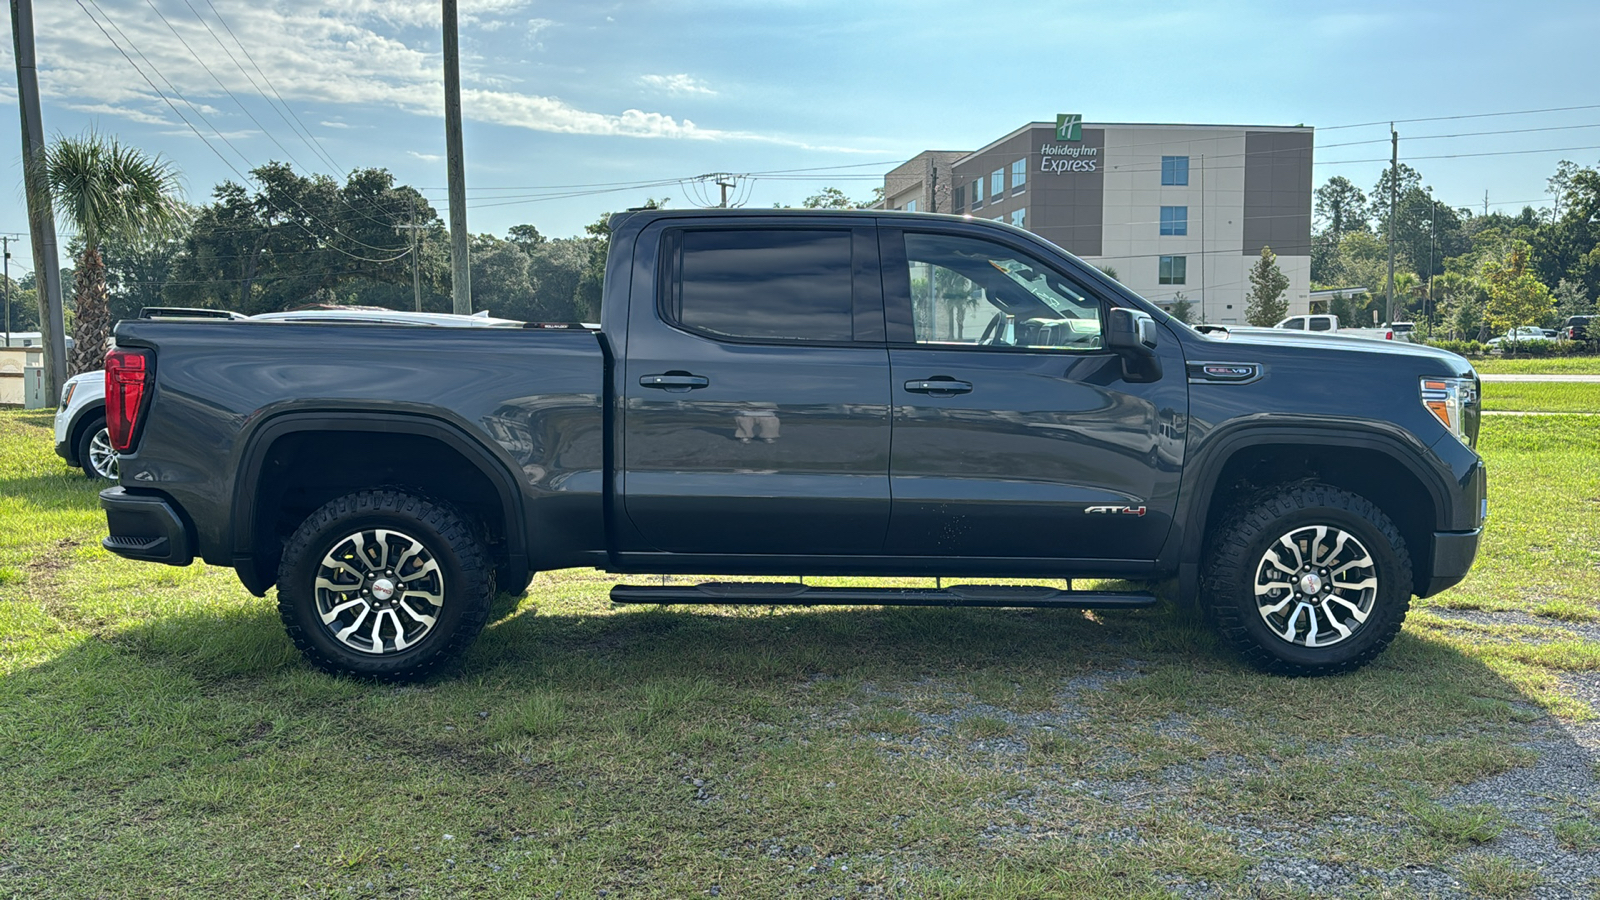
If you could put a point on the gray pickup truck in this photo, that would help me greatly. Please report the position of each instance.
(803, 393)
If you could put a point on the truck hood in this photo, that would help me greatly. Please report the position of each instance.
(1257, 345)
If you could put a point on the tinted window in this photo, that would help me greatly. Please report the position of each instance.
(1297, 324)
(791, 284)
(966, 291)
(1321, 325)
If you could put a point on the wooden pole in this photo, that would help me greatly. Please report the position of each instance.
(41, 219)
(460, 264)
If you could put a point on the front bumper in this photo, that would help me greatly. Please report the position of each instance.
(65, 452)
(1453, 553)
(146, 527)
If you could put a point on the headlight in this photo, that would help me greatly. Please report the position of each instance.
(1448, 399)
(66, 394)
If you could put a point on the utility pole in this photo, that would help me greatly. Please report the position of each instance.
(41, 220)
(460, 266)
(725, 185)
(5, 241)
(1433, 245)
(415, 232)
(1202, 238)
(1394, 190)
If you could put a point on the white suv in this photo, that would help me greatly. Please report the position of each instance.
(81, 437)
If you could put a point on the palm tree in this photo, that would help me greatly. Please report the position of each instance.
(105, 190)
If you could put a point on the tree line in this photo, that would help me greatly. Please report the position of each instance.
(1459, 273)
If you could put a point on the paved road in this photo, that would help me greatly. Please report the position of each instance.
(1587, 378)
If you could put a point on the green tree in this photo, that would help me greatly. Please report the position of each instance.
(1341, 207)
(1182, 308)
(1571, 299)
(830, 198)
(24, 305)
(1516, 297)
(1265, 305)
(295, 239)
(103, 189)
(1459, 301)
(586, 297)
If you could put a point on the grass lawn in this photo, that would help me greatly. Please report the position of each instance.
(160, 737)
(1541, 396)
(1555, 365)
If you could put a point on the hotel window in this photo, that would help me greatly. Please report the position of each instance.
(977, 194)
(1174, 170)
(1173, 269)
(961, 199)
(997, 183)
(1019, 174)
(1174, 220)
(911, 206)
(1018, 216)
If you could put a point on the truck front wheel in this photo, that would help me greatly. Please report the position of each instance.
(384, 585)
(1308, 580)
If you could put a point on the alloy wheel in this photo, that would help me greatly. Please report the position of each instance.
(103, 456)
(1315, 586)
(379, 591)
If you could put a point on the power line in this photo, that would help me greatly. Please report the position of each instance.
(251, 115)
(285, 104)
(179, 113)
(1515, 112)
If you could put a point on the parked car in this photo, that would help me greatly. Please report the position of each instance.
(81, 436)
(1519, 335)
(1323, 323)
(1575, 328)
(782, 392)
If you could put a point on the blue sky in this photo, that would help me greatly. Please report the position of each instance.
(622, 94)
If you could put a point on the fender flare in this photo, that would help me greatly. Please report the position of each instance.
(1227, 442)
(260, 440)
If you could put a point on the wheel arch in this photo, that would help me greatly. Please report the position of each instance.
(1385, 466)
(80, 423)
(420, 452)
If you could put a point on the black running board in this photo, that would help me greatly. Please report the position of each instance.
(773, 593)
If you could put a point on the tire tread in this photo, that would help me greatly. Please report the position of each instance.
(476, 596)
(1230, 563)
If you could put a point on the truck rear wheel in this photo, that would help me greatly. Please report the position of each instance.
(384, 585)
(1308, 580)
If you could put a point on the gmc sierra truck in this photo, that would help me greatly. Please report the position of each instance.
(803, 393)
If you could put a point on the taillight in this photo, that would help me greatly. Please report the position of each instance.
(1388, 335)
(129, 374)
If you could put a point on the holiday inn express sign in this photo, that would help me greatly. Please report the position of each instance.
(1070, 155)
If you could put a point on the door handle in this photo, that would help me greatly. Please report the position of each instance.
(939, 387)
(674, 381)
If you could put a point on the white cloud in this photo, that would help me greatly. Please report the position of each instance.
(327, 124)
(677, 85)
(342, 52)
(425, 157)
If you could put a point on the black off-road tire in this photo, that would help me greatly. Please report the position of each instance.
(463, 564)
(1237, 552)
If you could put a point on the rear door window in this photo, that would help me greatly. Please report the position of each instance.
(1321, 325)
(776, 284)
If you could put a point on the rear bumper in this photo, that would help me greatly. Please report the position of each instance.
(1453, 553)
(146, 527)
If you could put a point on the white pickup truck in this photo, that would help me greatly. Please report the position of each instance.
(1329, 324)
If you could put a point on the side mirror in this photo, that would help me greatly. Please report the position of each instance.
(1131, 334)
